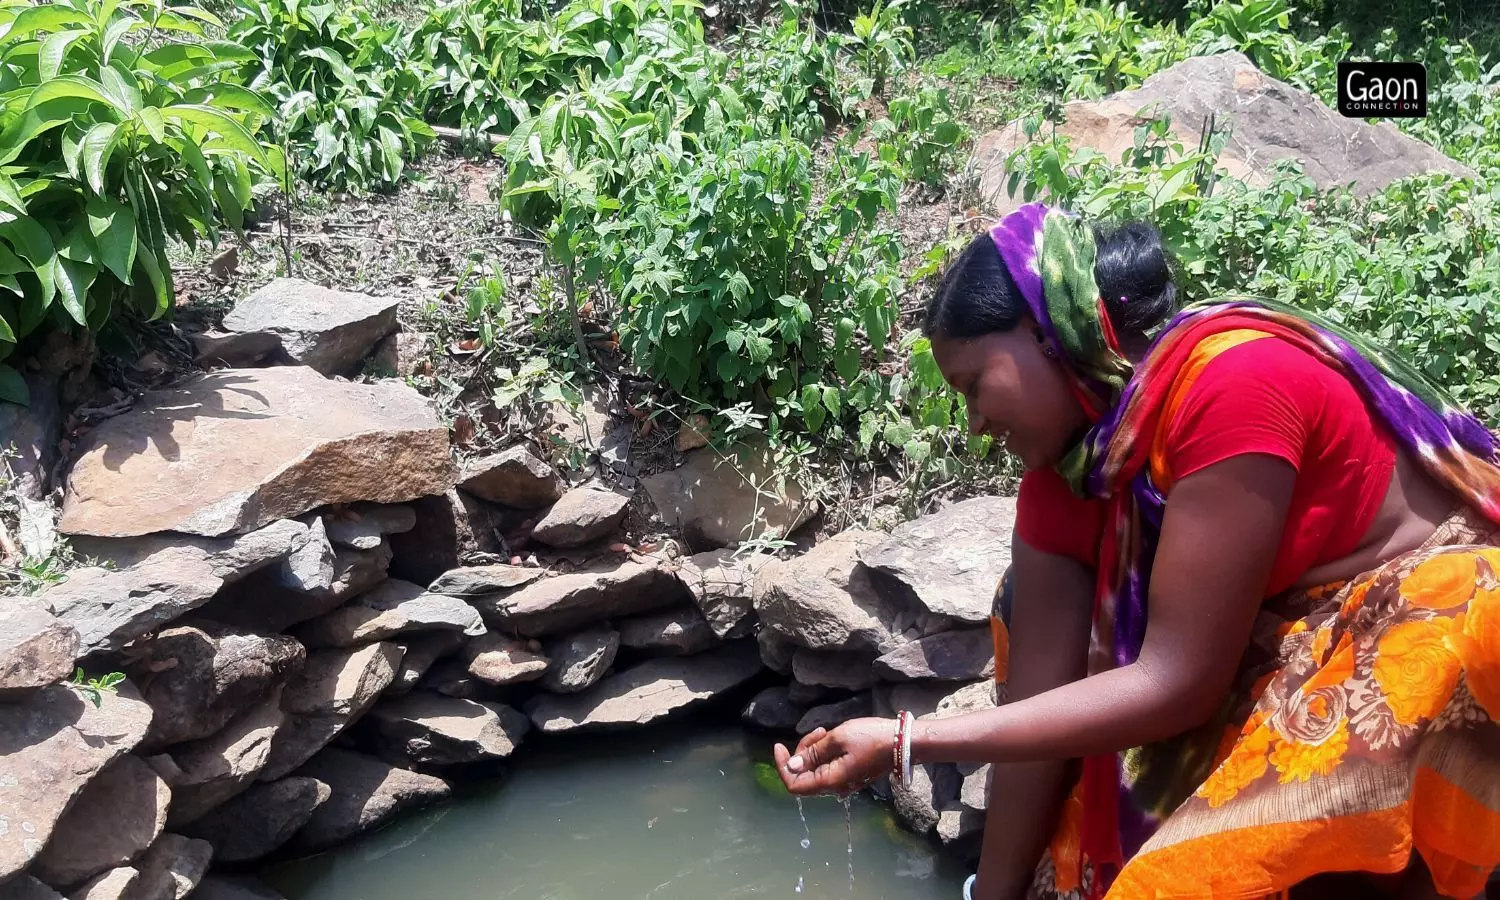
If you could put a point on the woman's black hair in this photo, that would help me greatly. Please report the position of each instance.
(1131, 267)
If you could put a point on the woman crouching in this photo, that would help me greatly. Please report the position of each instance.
(1252, 635)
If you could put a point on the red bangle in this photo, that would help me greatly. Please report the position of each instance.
(896, 767)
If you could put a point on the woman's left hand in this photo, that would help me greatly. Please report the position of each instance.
(840, 761)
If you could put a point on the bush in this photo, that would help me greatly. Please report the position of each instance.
(117, 135)
(348, 90)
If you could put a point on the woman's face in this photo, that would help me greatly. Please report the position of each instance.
(1014, 392)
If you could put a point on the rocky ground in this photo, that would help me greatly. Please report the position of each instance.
(325, 620)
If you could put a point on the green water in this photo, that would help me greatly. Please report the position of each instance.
(679, 814)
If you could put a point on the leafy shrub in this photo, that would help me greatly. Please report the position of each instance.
(882, 42)
(349, 92)
(924, 134)
(733, 275)
(116, 137)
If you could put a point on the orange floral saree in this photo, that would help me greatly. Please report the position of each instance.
(1362, 728)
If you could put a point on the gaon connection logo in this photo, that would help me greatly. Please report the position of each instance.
(1390, 90)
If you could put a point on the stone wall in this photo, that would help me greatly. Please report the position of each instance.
(321, 628)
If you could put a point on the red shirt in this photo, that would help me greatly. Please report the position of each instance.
(1263, 396)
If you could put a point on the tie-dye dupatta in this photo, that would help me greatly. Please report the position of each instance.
(1050, 255)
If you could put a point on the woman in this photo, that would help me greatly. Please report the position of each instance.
(1255, 628)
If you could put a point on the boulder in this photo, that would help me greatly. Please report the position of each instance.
(116, 884)
(419, 652)
(198, 677)
(719, 500)
(946, 656)
(1267, 121)
(431, 730)
(498, 660)
(578, 661)
(513, 477)
(480, 581)
(364, 794)
(722, 585)
(582, 516)
(313, 567)
(450, 528)
(834, 669)
(208, 772)
(363, 526)
(809, 694)
(51, 746)
(172, 868)
(24, 887)
(159, 582)
(264, 601)
(832, 715)
(776, 651)
(826, 600)
(403, 353)
(232, 451)
(926, 700)
(952, 560)
(648, 692)
(554, 605)
(326, 330)
(961, 831)
(334, 689)
(36, 648)
(242, 887)
(679, 632)
(261, 819)
(774, 710)
(975, 792)
(131, 799)
(395, 607)
(451, 678)
(916, 803)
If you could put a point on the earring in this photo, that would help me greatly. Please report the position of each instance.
(1048, 352)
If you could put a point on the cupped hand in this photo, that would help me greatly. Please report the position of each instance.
(840, 761)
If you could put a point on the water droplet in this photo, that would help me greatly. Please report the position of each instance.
(799, 884)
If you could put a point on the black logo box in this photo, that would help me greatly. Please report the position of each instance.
(1382, 90)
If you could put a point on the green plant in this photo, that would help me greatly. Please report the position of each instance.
(924, 134)
(882, 42)
(94, 689)
(118, 134)
(348, 88)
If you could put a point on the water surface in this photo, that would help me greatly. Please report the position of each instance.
(674, 814)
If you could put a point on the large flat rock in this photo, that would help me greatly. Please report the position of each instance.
(172, 868)
(155, 581)
(578, 661)
(36, 648)
(395, 607)
(266, 602)
(652, 690)
(198, 677)
(566, 602)
(582, 516)
(365, 793)
(132, 799)
(427, 729)
(51, 747)
(513, 477)
(327, 330)
(951, 560)
(234, 450)
(721, 499)
(208, 772)
(334, 689)
(1267, 121)
(825, 599)
(947, 656)
(260, 820)
(723, 584)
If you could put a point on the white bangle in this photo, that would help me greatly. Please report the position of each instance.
(969, 887)
(906, 762)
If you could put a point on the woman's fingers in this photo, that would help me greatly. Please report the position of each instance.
(812, 737)
(818, 766)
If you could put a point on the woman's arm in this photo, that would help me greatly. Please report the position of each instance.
(1218, 543)
(1050, 619)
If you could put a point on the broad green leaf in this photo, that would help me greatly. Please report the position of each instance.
(95, 149)
(9, 196)
(341, 70)
(52, 17)
(898, 434)
(73, 282)
(158, 281)
(54, 50)
(831, 399)
(13, 387)
(113, 228)
(120, 82)
(6, 334)
(230, 96)
(114, 33)
(33, 243)
(231, 134)
(229, 204)
(150, 118)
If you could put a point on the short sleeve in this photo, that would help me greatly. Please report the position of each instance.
(1259, 397)
(1052, 519)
